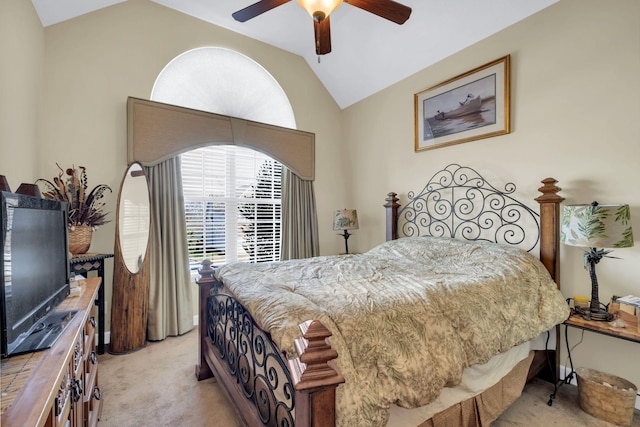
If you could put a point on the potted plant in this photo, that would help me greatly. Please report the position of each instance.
(86, 209)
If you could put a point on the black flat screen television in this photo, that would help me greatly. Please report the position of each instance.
(35, 271)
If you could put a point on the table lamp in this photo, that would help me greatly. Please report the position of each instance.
(4, 184)
(345, 219)
(596, 227)
(29, 190)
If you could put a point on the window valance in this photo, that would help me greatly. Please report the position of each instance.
(158, 131)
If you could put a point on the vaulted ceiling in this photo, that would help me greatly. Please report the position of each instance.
(368, 53)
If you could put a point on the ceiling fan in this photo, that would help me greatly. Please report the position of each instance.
(320, 11)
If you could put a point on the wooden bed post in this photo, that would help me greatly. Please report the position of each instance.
(315, 379)
(392, 206)
(206, 284)
(550, 227)
(550, 257)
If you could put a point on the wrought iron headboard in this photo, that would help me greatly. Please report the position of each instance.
(458, 202)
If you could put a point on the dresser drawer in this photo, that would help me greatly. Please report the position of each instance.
(90, 332)
(93, 406)
(62, 405)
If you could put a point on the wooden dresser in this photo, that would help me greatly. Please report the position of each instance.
(57, 386)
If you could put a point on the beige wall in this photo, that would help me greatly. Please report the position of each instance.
(575, 117)
(22, 46)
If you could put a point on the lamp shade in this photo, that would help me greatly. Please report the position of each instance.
(4, 184)
(29, 190)
(597, 226)
(324, 7)
(345, 219)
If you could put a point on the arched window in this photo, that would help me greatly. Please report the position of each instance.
(232, 194)
(225, 82)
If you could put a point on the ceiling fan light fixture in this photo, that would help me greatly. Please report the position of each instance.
(319, 9)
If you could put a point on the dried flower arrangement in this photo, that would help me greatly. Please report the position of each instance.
(84, 209)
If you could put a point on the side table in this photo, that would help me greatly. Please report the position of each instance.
(577, 321)
(600, 327)
(83, 264)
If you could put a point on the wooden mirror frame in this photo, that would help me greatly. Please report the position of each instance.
(130, 296)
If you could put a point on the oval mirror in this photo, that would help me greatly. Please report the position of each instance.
(134, 217)
(131, 271)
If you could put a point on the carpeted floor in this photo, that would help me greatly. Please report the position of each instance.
(156, 386)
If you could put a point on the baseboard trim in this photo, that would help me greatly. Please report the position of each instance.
(107, 334)
(565, 370)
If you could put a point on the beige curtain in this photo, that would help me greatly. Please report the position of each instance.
(170, 307)
(299, 237)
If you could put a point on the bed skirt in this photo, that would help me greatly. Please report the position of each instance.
(483, 409)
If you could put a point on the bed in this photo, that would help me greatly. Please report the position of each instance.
(358, 339)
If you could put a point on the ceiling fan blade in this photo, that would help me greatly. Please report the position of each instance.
(386, 9)
(256, 9)
(322, 30)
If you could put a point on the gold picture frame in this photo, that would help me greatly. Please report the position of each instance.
(468, 107)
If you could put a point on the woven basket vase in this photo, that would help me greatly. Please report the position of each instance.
(79, 239)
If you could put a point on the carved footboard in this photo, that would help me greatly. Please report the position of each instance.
(265, 387)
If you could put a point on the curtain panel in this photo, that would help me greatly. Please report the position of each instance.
(170, 303)
(299, 218)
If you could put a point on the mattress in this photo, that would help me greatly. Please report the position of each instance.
(475, 380)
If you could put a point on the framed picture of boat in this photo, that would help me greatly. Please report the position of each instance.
(471, 106)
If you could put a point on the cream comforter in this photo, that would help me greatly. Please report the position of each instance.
(407, 317)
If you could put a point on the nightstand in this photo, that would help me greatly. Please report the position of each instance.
(577, 321)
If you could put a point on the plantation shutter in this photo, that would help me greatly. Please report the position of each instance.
(232, 204)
